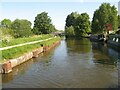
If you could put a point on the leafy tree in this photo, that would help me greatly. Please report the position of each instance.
(21, 28)
(118, 21)
(80, 24)
(71, 19)
(114, 18)
(6, 23)
(52, 28)
(6, 33)
(70, 31)
(42, 24)
(96, 23)
(105, 15)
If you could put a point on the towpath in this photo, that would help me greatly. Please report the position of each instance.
(8, 47)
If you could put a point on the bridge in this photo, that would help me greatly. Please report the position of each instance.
(59, 33)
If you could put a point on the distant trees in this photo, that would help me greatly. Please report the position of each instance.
(43, 24)
(17, 28)
(6, 23)
(5, 29)
(105, 15)
(77, 25)
(118, 21)
(21, 28)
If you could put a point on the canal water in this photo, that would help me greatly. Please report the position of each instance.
(72, 64)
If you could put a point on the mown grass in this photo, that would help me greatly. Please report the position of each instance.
(24, 40)
(18, 51)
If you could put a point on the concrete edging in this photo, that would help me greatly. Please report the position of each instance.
(7, 66)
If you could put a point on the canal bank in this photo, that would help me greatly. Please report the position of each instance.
(73, 64)
(7, 66)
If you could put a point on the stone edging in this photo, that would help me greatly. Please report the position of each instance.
(7, 66)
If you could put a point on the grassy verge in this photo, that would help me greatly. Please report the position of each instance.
(24, 40)
(18, 51)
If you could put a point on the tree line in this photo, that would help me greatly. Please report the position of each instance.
(104, 18)
(77, 25)
(22, 27)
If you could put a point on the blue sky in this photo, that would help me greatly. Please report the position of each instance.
(58, 11)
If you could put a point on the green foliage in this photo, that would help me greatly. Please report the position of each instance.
(42, 24)
(80, 24)
(106, 14)
(5, 34)
(70, 31)
(6, 23)
(119, 21)
(21, 28)
(71, 19)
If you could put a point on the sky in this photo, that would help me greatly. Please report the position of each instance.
(56, 9)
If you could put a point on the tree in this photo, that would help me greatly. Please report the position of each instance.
(21, 28)
(52, 28)
(5, 30)
(96, 23)
(6, 23)
(69, 32)
(105, 15)
(42, 24)
(5, 33)
(118, 21)
(71, 19)
(80, 24)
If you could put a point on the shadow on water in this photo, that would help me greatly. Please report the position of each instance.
(104, 54)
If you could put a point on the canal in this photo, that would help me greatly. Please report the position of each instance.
(72, 64)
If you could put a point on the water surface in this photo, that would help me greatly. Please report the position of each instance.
(72, 64)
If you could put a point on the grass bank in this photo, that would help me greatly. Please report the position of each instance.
(24, 40)
(18, 51)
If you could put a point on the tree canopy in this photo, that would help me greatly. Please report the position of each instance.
(43, 24)
(80, 24)
(21, 28)
(70, 31)
(118, 21)
(71, 19)
(105, 17)
(6, 23)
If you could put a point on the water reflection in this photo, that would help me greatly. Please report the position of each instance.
(103, 54)
(79, 45)
(17, 71)
(73, 64)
